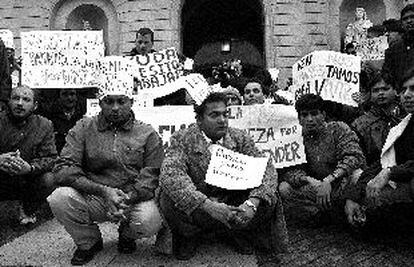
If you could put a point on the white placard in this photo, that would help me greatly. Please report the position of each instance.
(234, 171)
(61, 59)
(332, 75)
(274, 128)
(156, 69)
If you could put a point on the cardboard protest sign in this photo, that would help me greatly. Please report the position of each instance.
(196, 85)
(156, 69)
(114, 76)
(7, 37)
(372, 48)
(274, 128)
(234, 171)
(332, 75)
(61, 59)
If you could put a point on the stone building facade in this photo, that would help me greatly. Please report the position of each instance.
(281, 30)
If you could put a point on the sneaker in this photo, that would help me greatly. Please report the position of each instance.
(25, 219)
(125, 245)
(184, 248)
(81, 256)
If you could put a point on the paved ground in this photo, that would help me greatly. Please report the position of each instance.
(389, 243)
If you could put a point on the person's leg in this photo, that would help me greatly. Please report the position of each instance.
(9, 187)
(34, 191)
(78, 214)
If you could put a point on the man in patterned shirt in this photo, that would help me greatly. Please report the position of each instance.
(332, 153)
(191, 206)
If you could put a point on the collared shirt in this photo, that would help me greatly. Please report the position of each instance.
(33, 137)
(126, 157)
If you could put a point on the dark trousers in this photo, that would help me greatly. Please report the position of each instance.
(31, 190)
(201, 222)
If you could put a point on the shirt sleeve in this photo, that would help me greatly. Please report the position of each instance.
(45, 154)
(68, 167)
(348, 152)
(147, 181)
(175, 181)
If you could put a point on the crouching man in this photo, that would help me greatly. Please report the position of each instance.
(108, 170)
(27, 153)
(333, 155)
(248, 219)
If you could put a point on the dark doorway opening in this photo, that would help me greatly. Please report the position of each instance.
(217, 30)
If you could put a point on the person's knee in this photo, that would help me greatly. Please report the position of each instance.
(61, 197)
(285, 189)
(146, 219)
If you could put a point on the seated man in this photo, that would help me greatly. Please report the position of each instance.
(27, 153)
(191, 206)
(332, 153)
(373, 126)
(108, 170)
(392, 180)
(64, 114)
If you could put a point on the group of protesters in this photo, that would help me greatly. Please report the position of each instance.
(113, 167)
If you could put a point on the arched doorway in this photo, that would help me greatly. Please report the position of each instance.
(89, 14)
(375, 13)
(216, 30)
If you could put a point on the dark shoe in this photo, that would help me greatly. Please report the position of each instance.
(81, 257)
(125, 245)
(241, 245)
(184, 248)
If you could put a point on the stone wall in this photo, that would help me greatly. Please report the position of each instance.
(292, 28)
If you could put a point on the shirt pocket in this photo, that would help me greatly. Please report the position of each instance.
(134, 155)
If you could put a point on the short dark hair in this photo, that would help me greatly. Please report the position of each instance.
(265, 89)
(393, 25)
(409, 7)
(309, 102)
(145, 31)
(211, 98)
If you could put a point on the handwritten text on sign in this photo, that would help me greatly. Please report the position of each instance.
(332, 75)
(274, 128)
(156, 69)
(61, 59)
(234, 171)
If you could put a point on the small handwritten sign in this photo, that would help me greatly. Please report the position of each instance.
(234, 171)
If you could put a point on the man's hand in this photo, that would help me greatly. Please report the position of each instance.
(312, 181)
(243, 218)
(220, 211)
(323, 194)
(115, 199)
(19, 166)
(5, 162)
(375, 185)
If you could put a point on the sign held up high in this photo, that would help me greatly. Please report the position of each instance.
(332, 75)
(61, 59)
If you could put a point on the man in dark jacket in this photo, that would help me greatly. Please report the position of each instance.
(400, 57)
(27, 153)
(144, 42)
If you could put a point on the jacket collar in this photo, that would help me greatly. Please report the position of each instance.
(104, 125)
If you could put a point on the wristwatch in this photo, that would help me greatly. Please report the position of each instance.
(251, 205)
